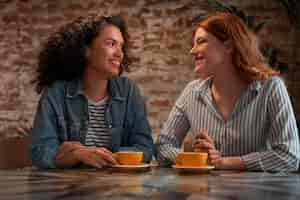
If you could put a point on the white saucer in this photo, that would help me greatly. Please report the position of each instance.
(193, 169)
(144, 165)
(131, 168)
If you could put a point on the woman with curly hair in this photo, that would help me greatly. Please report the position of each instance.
(87, 110)
(239, 111)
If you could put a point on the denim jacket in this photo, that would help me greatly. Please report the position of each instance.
(62, 115)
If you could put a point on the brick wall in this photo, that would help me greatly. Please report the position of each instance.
(160, 36)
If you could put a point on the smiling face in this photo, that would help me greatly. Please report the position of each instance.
(105, 54)
(209, 53)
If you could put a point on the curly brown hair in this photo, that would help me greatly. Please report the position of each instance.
(63, 56)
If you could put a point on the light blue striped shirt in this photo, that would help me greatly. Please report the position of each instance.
(261, 129)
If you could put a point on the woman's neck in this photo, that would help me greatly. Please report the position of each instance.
(94, 86)
(226, 90)
(228, 83)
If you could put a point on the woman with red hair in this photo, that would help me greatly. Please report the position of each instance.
(239, 111)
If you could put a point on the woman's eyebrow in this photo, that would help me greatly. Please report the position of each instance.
(114, 40)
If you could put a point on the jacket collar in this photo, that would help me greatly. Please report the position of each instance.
(73, 89)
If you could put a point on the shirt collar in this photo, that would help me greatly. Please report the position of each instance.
(203, 88)
(255, 86)
(73, 88)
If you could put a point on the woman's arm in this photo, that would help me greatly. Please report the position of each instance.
(283, 138)
(173, 132)
(45, 143)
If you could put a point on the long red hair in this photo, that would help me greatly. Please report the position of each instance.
(246, 56)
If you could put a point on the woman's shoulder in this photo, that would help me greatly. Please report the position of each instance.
(274, 86)
(58, 88)
(274, 82)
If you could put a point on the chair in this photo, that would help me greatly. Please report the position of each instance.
(14, 153)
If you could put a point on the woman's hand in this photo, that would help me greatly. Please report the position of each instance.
(95, 156)
(215, 158)
(72, 153)
(204, 143)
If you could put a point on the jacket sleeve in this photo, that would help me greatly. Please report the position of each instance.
(44, 145)
(140, 138)
(282, 136)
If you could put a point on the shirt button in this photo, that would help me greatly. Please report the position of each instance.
(110, 126)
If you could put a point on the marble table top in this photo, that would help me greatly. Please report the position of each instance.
(157, 183)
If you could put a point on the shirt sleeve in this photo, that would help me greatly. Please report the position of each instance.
(283, 136)
(173, 132)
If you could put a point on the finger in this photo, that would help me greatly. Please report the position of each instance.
(77, 144)
(204, 145)
(106, 156)
(199, 150)
(200, 140)
(92, 157)
(67, 146)
(214, 157)
(110, 160)
(106, 151)
(203, 134)
(99, 160)
(213, 151)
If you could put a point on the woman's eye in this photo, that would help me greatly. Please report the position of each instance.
(110, 43)
(200, 41)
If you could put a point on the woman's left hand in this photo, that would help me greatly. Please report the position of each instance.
(215, 158)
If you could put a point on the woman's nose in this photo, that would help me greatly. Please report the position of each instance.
(192, 51)
(119, 52)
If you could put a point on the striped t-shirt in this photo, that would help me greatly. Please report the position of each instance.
(261, 129)
(98, 134)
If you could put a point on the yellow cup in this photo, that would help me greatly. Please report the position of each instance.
(128, 157)
(191, 159)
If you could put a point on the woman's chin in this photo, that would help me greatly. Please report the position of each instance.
(198, 70)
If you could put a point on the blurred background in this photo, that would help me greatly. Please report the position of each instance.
(161, 37)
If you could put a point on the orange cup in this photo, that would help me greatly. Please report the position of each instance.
(197, 159)
(128, 157)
